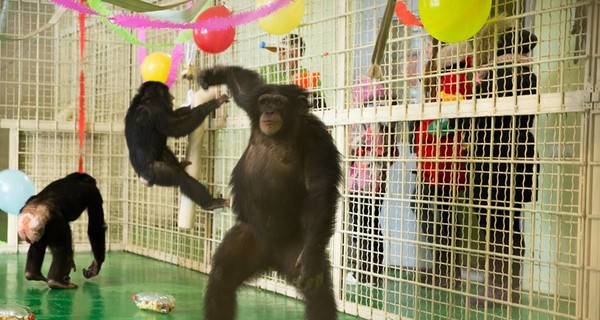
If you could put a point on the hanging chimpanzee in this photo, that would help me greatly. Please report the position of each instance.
(285, 194)
(44, 223)
(149, 121)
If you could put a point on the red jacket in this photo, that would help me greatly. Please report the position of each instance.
(440, 158)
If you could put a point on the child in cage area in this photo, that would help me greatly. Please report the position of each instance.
(372, 145)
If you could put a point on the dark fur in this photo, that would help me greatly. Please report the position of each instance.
(149, 121)
(285, 190)
(65, 200)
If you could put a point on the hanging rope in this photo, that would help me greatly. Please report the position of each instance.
(374, 71)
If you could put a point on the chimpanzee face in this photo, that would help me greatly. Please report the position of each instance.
(272, 108)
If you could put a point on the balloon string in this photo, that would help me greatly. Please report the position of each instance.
(81, 123)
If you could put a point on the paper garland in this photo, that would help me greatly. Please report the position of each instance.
(220, 23)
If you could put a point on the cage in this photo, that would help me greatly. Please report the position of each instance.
(471, 169)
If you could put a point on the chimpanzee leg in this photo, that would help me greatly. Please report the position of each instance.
(62, 259)
(320, 299)
(240, 255)
(170, 175)
(35, 259)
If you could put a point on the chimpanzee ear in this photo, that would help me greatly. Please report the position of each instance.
(303, 103)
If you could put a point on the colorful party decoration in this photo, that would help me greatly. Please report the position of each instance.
(214, 41)
(156, 67)
(454, 20)
(100, 7)
(405, 16)
(15, 189)
(143, 21)
(284, 20)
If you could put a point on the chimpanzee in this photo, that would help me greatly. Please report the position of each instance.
(285, 194)
(149, 121)
(44, 222)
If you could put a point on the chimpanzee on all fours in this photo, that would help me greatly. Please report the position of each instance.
(150, 120)
(44, 223)
(285, 193)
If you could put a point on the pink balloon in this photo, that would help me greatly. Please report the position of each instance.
(214, 41)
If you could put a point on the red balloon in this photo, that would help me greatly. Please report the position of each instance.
(214, 41)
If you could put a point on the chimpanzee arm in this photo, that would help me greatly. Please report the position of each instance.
(322, 174)
(241, 82)
(182, 111)
(173, 125)
(96, 231)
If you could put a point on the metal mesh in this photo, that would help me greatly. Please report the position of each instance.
(474, 203)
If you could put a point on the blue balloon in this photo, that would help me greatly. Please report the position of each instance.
(15, 189)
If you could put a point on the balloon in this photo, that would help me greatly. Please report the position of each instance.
(156, 67)
(284, 20)
(214, 41)
(15, 189)
(454, 20)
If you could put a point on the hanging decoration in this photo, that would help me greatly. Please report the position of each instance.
(405, 16)
(143, 21)
(283, 21)
(214, 41)
(156, 66)
(60, 11)
(454, 20)
(176, 57)
(99, 6)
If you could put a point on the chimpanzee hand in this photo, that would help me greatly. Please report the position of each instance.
(223, 98)
(184, 164)
(311, 266)
(206, 77)
(92, 270)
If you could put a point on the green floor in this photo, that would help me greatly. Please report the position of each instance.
(108, 296)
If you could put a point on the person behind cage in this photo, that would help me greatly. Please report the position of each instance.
(504, 171)
(441, 169)
(372, 146)
(288, 69)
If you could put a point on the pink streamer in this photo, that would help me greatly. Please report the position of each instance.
(75, 5)
(141, 50)
(176, 57)
(217, 23)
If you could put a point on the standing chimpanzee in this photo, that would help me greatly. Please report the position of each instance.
(149, 121)
(44, 222)
(285, 194)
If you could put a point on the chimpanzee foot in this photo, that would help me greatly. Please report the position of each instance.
(216, 204)
(35, 276)
(145, 182)
(55, 284)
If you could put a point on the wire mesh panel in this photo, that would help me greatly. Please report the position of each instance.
(468, 167)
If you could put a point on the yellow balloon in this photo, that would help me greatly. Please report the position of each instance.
(454, 20)
(284, 20)
(156, 67)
